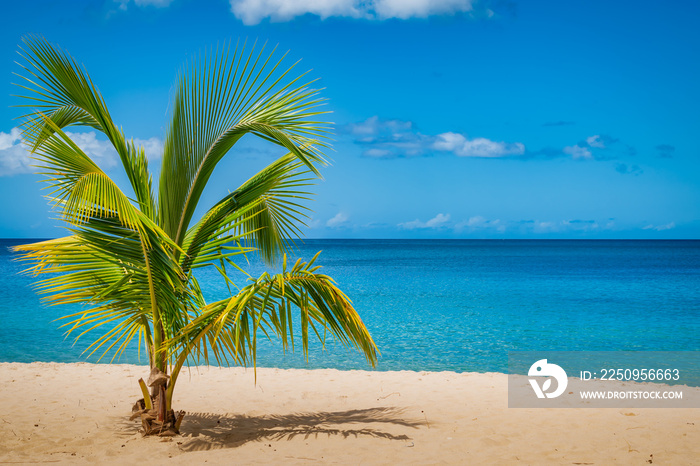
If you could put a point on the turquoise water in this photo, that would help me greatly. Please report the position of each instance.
(451, 304)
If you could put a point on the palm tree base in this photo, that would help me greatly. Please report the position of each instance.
(165, 425)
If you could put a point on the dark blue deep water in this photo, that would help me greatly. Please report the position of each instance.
(447, 305)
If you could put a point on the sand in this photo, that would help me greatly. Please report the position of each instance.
(78, 414)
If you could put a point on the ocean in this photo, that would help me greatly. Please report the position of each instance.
(436, 305)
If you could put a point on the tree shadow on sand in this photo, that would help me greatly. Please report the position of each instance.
(204, 431)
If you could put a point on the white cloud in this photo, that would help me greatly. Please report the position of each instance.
(405, 9)
(477, 221)
(668, 226)
(576, 225)
(398, 138)
(373, 127)
(412, 225)
(368, 128)
(477, 147)
(153, 147)
(388, 138)
(577, 152)
(436, 222)
(546, 227)
(16, 160)
(582, 225)
(7, 140)
(595, 141)
(100, 151)
(123, 4)
(339, 220)
(480, 223)
(104, 154)
(254, 11)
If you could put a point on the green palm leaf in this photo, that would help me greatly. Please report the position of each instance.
(223, 98)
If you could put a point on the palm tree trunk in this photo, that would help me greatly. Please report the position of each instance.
(156, 418)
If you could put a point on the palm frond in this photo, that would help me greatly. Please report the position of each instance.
(230, 327)
(231, 94)
(78, 186)
(102, 267)
(263, 210)
(59, 90)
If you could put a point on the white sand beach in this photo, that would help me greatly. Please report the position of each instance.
(78, 414)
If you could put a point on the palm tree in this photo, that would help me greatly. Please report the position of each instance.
(131, 253)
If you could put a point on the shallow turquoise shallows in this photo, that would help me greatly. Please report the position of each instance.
(456, 305)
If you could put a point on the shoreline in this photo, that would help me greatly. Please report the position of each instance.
(368, 371)
(78, 413)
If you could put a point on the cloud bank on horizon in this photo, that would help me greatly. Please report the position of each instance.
(478, 224)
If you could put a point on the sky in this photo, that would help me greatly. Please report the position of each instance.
(452, 118)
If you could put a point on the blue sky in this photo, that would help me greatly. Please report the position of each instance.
(453, 118)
